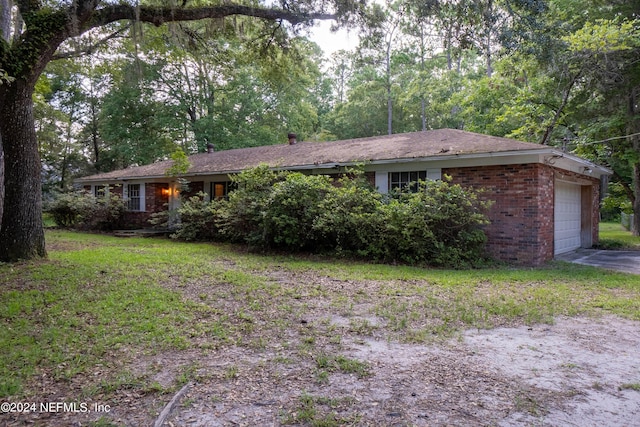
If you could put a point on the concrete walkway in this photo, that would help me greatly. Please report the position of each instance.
(625, 261)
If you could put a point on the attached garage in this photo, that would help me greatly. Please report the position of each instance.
(574, 217)
(567, 217)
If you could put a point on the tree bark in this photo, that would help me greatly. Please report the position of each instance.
(635, 224)
(5, 18)
(1, 179)
(22, 232)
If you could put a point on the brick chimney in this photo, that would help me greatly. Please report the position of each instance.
(292, 138)
(210, 148)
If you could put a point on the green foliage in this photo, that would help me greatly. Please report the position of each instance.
(5, 77)
(67, 209)
(292, 208)
(84, 211)
(180, 164)
(133, 122)
(198, 219)
(350, 218)
(605, 36)
(244, 217)
(615, 202)
(439, 224)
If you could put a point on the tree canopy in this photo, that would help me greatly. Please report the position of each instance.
(90, 86)
(36, 32)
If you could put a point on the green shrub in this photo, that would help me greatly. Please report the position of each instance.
(68, 209)
(440, 224)
(292, 208)
(84, 211)
(349, 217)
(242, 218)
(107, 214)
(198, 219)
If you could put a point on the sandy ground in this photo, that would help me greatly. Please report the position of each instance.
(577, 372)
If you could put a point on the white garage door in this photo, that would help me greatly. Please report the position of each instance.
(567, 217)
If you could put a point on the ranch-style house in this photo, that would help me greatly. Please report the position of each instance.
(546, 201)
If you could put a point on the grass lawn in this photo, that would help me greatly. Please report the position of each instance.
(614, 236)
(76, 321)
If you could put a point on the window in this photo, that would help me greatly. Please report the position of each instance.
(220, 190)
(406, 180)
(134, 197)
(99, 191)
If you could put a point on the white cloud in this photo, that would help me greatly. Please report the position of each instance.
(331, 42)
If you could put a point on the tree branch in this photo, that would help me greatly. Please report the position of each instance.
(90, 49)
(626, 187)
(158, 16)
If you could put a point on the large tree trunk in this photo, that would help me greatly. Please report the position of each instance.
(1, 180)
(635, 225)
(21, 232)
(5, 18)
(633, 129)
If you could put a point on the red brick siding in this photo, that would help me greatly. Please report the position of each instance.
(595, 215)
(116, 189)
(194, 188)
(371, 178)
(155, 201)
(521, 229)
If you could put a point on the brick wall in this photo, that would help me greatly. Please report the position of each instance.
(193, 189)
(521, 229)
(155, 201)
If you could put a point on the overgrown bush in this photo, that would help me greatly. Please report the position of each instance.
(243, 217)
(68, 209)
(440, 224)
(292, 208)
(349, 219)
(198, 219)
(84, 211)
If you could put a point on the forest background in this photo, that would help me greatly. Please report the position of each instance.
(563, 73)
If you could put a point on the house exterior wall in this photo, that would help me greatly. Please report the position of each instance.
(154, 201)
(194, 187)
(522, 215)
(594, 195)
(521, 228)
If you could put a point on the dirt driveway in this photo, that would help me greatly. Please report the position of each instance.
(328, 355)
(577, 372)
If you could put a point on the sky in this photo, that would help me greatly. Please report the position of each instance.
(331, 42)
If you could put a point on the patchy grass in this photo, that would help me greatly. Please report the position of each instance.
(630, 386)
(319, 412)
(615, 236)
(331, 363)
(80, 318)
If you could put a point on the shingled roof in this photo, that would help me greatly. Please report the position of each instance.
(417, 145)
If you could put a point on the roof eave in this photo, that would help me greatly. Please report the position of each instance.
(552, 153)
